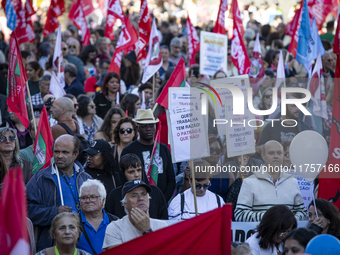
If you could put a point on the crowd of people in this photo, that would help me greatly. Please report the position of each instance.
(96, 193)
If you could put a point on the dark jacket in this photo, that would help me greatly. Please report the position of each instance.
(75, 88)
(103, 104)
(81, 76)
(42, 201)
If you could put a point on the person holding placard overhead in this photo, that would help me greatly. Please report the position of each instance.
(55, 189)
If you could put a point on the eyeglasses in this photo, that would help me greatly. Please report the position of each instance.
(64, 49)
(4, 139)
(76, 105)
(128, 130)
(329, 60)
(72, 47)
(268, 96)
(92, 106)
(286, 153)
(92, 198)
(205, 186)
(284, 234)
(145, 126)
(215, 150)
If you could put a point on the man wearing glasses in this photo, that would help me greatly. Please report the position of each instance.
(81, 76)
(146, 125)
(182, 207)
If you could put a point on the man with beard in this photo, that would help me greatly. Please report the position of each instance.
(137, 222)
(143, 149)
(268, 187)
(274, 130)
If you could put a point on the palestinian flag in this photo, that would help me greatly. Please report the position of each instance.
(43, 144)
(155, 161)
(177, 79)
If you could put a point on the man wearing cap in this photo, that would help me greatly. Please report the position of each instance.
(143, 149)
(137, 222)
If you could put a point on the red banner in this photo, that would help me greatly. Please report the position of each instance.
(78, 18)
(144, 29)
(239, 55)
(114, 12)
(235, 15)
(220, 22)
(319, 9)
(57, 8)
(87, 7)
(193, 42)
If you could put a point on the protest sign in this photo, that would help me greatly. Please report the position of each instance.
(187, 130)
(213, 53)
(239, 129)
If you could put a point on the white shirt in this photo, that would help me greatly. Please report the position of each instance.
(257, 250)
(122, 231)
(204, 204)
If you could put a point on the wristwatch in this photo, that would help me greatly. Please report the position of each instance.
(147, 231)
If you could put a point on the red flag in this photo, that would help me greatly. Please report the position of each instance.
(29, 11)
(78, 18)
(144, 30)
(336, 44)
(239, 55)
(13, 219)
(57, 8)
(220, 22)
(291, 26)
(319, 9)
(193, 41)
(154, 161)
(208, 233)
(87, 7)
(235, 15)
(114, 12)
(20, 27)
(177, 79)
(16, 83)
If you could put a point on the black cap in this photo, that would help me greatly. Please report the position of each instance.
(128, 186)
(97, 146)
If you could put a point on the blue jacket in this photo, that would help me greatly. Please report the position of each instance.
(42, 201)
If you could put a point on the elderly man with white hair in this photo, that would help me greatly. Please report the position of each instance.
(93, 218)
(137, 222)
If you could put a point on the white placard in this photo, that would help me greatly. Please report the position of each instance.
(240, 138)
(186, 125)
(213, 53)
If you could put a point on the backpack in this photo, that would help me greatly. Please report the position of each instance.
(84, 143)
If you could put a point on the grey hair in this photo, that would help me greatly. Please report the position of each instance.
(124, 201)
(45, 77)
(176, 41)
(71, 39)
(16, 158)
(93, 182)
(102, 39)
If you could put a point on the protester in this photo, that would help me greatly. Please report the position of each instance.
(296, 241)
(107, 97)
(165, 58)
(266, 101)
(137, 222)
(87, 117)
(59, 183)
(34, 72)
(130, 104)
(100, 164)
(147, 89)
(93, 218)
(129, 71)
(74, 60)
(65, 231)
(111, 119)
(72, 84)
(88, 55)
(275, 225)
(44, 87)
(21, 131)
(130, 169)
(27, 153)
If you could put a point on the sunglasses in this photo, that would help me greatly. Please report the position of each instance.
(145, 126)
(268, 96)
(72, 47)
(92, 106)
(128, 130)
(4, 139)
(205, 186)
(64, 49)
(216, 150)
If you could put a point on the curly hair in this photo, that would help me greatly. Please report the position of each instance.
(107, 78)
(108, 162)
(116, 130)
(128, 104)
(83, 102)
(106, 126)
(84, 54)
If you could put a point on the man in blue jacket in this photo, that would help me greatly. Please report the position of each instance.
(55, 189)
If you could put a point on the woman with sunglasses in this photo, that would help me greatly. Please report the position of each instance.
(87, 117)
(9, 149)
(275, 225)
(124, 133)
(182, 207)
(266, 101)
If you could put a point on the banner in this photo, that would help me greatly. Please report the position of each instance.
(78, 18)
(320, 9)
(114, 12)
(56, 9)
(213, 53)
(220, 22)
(193, 42)
(144, 29)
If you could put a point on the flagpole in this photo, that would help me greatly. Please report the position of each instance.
(153, 87)
(60, 191)
(193, 183)
(31, 106)
(59, 68)
(154, 108)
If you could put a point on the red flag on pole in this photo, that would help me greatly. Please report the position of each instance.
(319, 9)
(208, 233)
(193, 41)
(13, 218)
(235, 15)
(220, 22)
(144, 30)
(239, 55)
(114, 12)
(78, 18)
(87, 7)
(57, 8)
(329, 182)
(16, 83)
(154, 162)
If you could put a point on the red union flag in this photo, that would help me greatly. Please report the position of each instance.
(87, 7)
(220, 22)
(57, 8)
(235, 15)
(16, 86)
(78, 18)
(144, 29)
(239, 55)
(114, 12)
(319, 9)
(193, 41)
